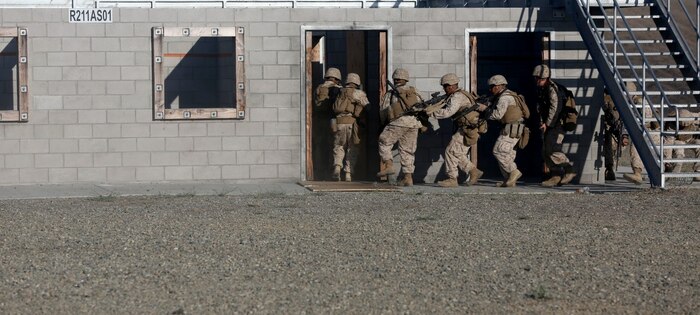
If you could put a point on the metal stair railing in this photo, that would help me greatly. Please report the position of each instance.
(635, 122)
(664, 8)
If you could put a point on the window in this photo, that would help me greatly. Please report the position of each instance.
(198, 73)
(14, 93)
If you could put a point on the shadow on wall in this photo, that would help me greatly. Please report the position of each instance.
(8, 75)
(204, 76)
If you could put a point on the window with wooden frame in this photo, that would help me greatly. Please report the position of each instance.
(198, 73)
(14, 93)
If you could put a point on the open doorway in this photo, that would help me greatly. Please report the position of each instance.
(513, 55)
(361, 51)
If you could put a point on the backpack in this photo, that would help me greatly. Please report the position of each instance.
(345, 102)
(569, 114)
(512, 115)
(398, 108)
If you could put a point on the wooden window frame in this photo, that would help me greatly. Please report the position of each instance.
(159, 110)
(21, 114)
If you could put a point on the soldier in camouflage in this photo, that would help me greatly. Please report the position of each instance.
(348, 108)
(401, 128)
(324, 97)
(551, 100)
(457, 151)
(504, 108)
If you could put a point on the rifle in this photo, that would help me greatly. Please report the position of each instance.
(420, 110)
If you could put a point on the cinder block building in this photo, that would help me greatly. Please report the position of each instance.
(119, 91)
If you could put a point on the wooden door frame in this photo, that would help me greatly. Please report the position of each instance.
(470, 58)
(306, 89)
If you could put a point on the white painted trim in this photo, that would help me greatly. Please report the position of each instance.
(467, 47)
(302, 74)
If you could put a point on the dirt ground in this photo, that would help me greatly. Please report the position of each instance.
(359, 253)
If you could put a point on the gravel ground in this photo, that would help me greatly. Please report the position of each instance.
(359, 253)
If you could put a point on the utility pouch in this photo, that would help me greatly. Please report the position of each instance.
(334, 125)
(524, 139)
(513, 130)
(471, 136)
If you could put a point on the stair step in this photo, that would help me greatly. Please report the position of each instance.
(683, 119)
(681, 79)
(689, 174)
(622, 29)
(682, 161)
(652, 66)
(657, 93)
(681, 132)
(644, 16)
(655, 53)
(640, 41)
(639, 106)
(680, 146)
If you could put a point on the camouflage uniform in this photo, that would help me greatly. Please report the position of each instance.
(403, 130)
(550, 104)
(612, 134)
(504, 148)
(324, 97)
(346, 138)
(457, 151)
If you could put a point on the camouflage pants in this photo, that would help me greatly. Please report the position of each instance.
(553, 143)
(670, 153)
(610, 149)
(344, 150)
(504, 152)
(408, 141)
(457, 156)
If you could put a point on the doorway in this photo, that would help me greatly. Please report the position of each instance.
(513, 55)
(353, 50)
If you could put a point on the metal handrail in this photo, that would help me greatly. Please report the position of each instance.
(618, 75)
(694, 24)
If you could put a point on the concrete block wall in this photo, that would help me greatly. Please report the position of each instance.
(90, 117)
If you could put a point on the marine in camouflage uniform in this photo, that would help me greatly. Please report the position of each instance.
(401, 128)
(504, 108)
(457, 151)
(346, 137)
(612, 137)
(324, 97)
(551, 101)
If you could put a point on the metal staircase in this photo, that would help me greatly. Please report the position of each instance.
(646, 43)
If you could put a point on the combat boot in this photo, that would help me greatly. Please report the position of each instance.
(569, 174)
(407, 180)
(474, 175)
(348, 177)
(512, 178)
(387, 168)
(552, 181)
(635, 177)
(450, 182)
(609, 174)
(336, 172)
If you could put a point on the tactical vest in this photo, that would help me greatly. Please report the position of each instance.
(345, 103)
(468, 119)
(407, 97)
(545, 103)
(515, 113)
(326, 95)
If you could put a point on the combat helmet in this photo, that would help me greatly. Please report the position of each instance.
(400, 74)
(353, 78)
(497, 80)
(541, 71)
(450, 79)
(333, 73)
